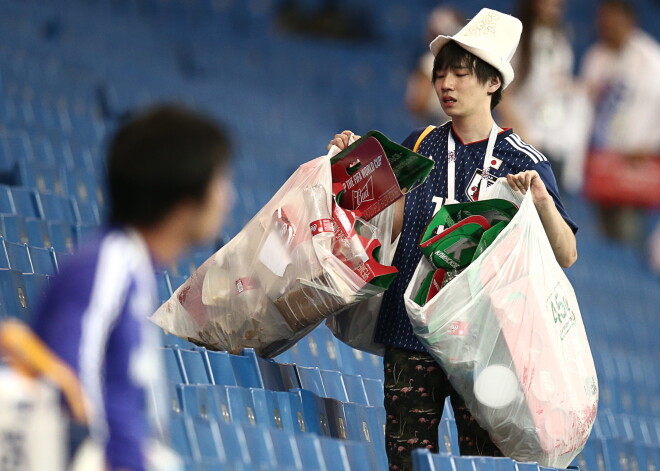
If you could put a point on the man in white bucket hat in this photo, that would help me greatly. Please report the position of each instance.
(470, 71)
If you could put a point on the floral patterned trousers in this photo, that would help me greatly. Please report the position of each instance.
(415, 391)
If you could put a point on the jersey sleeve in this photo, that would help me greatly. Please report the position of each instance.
(545, 172)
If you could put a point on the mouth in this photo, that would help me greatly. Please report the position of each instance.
(448, 100)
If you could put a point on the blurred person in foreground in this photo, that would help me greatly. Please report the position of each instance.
(621, 73)
(546, 105)
(421, 100)
(169, 188)
(470, 70)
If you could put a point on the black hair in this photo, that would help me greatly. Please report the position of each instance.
(453, 56)
(161, 157)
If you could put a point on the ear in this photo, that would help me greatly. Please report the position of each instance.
(493, 84)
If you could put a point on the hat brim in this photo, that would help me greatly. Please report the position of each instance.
(493, 59)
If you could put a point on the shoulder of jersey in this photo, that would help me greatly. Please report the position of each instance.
(521, 147)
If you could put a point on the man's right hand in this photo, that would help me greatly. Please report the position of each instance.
(341, 140)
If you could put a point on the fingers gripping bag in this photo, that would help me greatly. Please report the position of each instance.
(508, 332)
(302, 258)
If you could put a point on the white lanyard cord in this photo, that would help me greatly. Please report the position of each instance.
(451, 163)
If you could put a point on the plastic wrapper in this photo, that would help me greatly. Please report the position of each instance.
(508, 332)
(301, 259)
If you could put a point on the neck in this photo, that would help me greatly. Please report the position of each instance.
(165, 243)
(472, 128)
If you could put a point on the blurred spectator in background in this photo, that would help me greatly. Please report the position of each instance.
(421, 98)
(621, 74)
(168, 189)
(545, 105)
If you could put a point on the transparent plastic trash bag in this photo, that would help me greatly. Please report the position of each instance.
(509, 334)
(300, 260)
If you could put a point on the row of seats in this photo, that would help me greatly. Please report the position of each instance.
(205, 443)
(60, 235)
(201, 366)
(31, 203)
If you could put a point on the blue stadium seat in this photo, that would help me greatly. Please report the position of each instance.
(163, 285)
(174, 376)
(26, 202)
(359, 456)
(37, 232)
(235, 443)
(13, 296)
(274, 376)
(333, 385)
(61, 258)
(448, 436)
(266, 411)
(286, 449)
(222, 368)
(83, 232)
(18, 256)
(43, 178)
(62, 237)
(311, 453)
(314, 412)
(13, 228)
(260, 445)
(422, 460)
(527, 466)
(195, 365)
(334, 454)
(310, 379)
(43, 260)
(246, 371)
(57, 208)
(209, 441)
(181, 430)
(237, 402)
(484, 463)
(7, 200)
(36, 287)
(86, 212)
(355, 389)
(375, 393)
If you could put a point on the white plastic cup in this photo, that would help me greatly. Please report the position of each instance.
(496, 387)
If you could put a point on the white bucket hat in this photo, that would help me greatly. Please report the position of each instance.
(491, 36)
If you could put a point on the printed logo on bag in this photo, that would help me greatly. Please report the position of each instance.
(562, 314)
(459, 328)
(472, 190)
(453, 255)
(364, 194)
(244, 284)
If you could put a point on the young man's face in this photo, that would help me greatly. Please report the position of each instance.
(210, 214)
(460, 93)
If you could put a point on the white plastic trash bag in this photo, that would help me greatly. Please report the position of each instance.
(298, 261)
(509, 334)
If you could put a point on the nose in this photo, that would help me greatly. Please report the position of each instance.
(446, 82)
